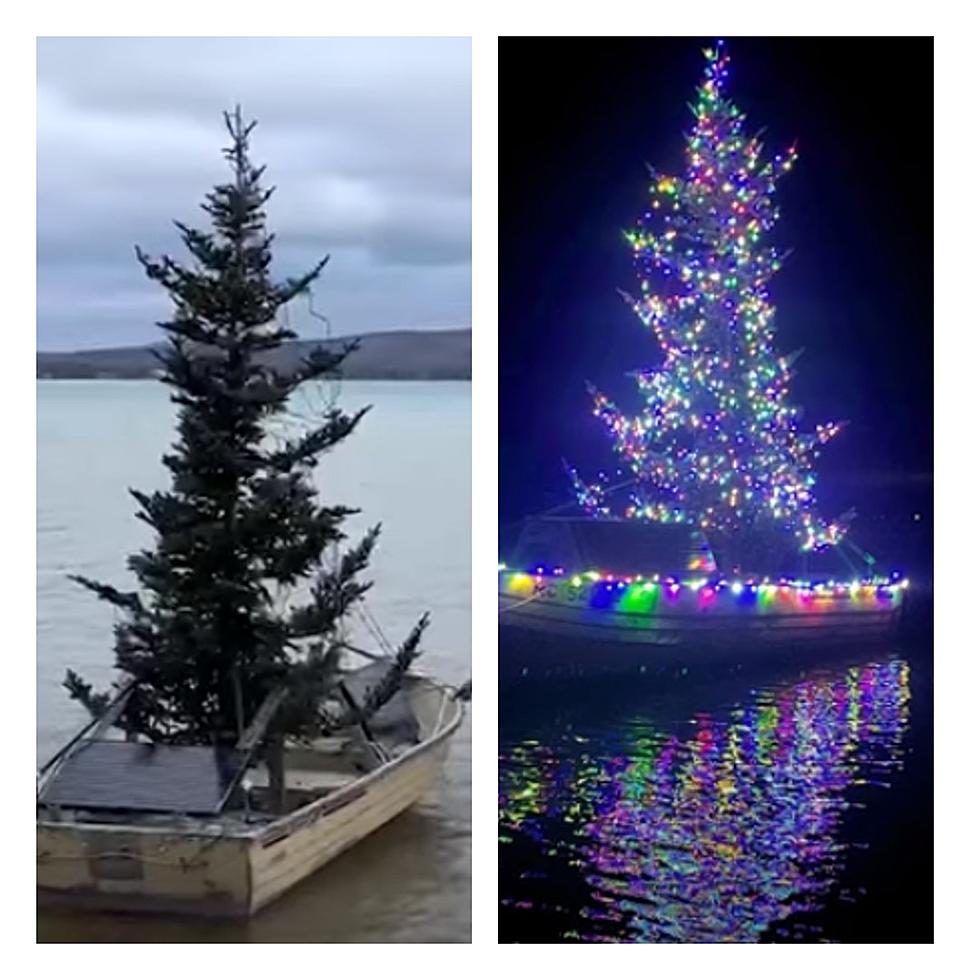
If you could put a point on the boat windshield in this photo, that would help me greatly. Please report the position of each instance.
(618, 547)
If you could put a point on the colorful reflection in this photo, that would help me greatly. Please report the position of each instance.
(713, 830)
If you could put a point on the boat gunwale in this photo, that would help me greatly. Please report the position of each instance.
(342, 797)
(653, 620)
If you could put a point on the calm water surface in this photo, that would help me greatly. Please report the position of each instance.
(408, 466)
(793, 805)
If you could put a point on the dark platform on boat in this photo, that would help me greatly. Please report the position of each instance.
(112, 775)
(581, 544)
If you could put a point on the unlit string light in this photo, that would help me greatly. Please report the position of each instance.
(314, 406)
(333, 385)
(311, 403)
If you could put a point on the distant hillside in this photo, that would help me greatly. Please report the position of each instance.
(423, 355)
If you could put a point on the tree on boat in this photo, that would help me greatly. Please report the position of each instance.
(716, 444)
(238, 604)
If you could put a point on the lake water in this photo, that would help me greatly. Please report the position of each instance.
(790, 805)
(408, 466)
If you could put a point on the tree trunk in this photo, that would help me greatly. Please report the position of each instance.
(277, 775)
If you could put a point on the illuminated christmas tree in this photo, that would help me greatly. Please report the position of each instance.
(716, 444)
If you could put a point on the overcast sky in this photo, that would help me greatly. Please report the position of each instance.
(367, 141)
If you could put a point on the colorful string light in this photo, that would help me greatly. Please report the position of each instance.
(642, 594)
(717, 444)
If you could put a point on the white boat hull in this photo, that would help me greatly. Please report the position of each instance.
(546, 637)
(214, 871)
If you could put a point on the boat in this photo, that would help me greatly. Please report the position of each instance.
(611, 594)
(131, 826)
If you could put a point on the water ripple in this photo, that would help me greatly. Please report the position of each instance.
(707, 827)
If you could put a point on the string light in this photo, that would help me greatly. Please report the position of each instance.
(641, 589)
(716, 444)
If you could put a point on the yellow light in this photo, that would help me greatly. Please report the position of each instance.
(521, 583)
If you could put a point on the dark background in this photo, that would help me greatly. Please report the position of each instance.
(579, 120)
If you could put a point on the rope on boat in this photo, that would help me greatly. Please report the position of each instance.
(360, 651)
(868, 559)
(568, 504)
(521, 602)
(442, 710)
(374, 628)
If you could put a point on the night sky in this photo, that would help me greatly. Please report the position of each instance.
(579, 120)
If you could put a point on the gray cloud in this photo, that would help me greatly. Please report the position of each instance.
(366, 139)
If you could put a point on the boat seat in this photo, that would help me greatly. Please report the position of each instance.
(306, 779)
(314, 779)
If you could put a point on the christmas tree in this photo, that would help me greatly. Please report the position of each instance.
(717, 444)
(216, 625)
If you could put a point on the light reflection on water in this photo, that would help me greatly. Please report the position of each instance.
(683, 825)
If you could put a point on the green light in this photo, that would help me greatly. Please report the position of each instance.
(639, 598)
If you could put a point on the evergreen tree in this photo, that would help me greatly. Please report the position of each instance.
(716, 444)
(212, 630)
